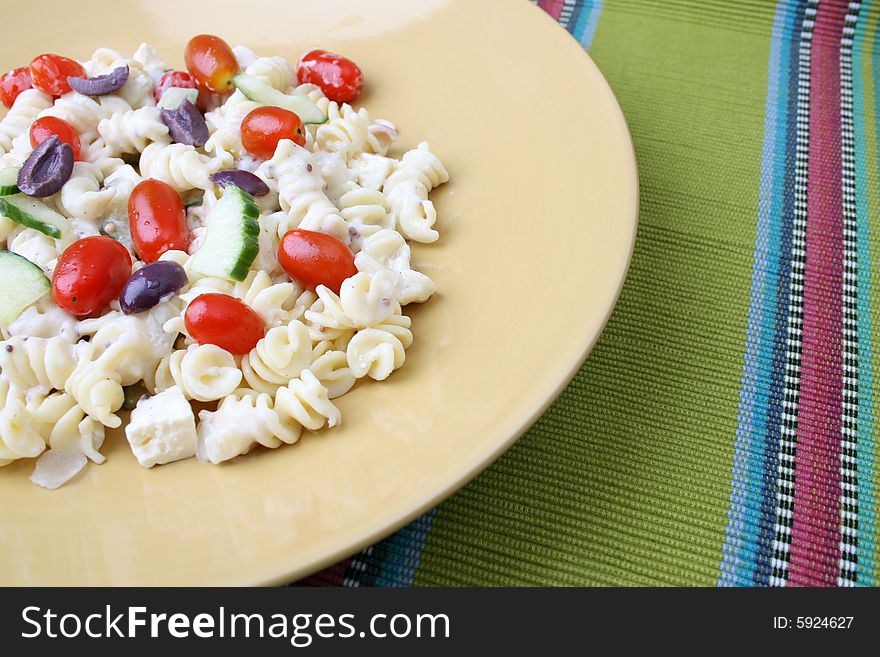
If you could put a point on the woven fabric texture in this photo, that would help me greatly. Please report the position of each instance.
(722, 430)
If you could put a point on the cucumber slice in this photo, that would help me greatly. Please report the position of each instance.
(232, 242)
(260, 92)
(21, 284)
(174, 96)
(9, 182)
(32, 213)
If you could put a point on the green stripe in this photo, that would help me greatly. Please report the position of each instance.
(626, 479)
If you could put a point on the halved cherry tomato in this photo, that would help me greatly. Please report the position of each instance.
(339, 78)
(224, 321)
(157, 220)
(264, 127)
(13, 83)
(90, 274)
(49, 73)
(169, 79)
(45, 127)
(210, 60)
(314, 259)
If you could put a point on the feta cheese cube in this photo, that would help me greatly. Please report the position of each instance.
(162, 429)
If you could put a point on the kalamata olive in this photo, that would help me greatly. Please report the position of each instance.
(186, 124)
(245, 180)
(151, 286)
(47, 168)
(101, 85)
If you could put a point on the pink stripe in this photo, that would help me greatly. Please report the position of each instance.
(332, 576)
(552, 7)
(815, 546)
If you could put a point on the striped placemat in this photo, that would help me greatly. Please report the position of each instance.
(722, 431)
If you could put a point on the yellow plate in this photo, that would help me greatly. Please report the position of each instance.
(537, 227)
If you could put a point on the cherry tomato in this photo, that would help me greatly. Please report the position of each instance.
(157, 220)
(13, 83)
(90, 274)
(210, 60)
(264, 127)
(314, 259)
(224, 321)
(170, 79)
(45, 127)
(339, 78)
(49, 73)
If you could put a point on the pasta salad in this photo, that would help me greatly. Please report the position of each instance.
(235, 234)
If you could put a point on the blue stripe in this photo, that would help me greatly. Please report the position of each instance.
(783, 209)
(405, 551)
(751, 518)
(584, 20)
(865, 465)
(393, 561)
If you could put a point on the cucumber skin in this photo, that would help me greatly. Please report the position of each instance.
(10, 189)
(11, 211)
(250, 236)
(251, 215)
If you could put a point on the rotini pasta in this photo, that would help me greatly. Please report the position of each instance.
(386, 250)
(179, 165)
(301, 192)
(82, 195)
(20, 437)
(23, 112)
(276, 71)
(364, 300)
(280, 356)
(133, 130)
(407, 190)
(202, 372)
(248, 418)
(29, 362)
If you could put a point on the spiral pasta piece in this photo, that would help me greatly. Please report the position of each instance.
(18, 119)
(97, 388)
(275, 71)
(84, 113)
(364, 300)
(37, 247)
(347, 132)
(65, 426)
(330, 367)
(150, 61)
(133, 130)
(370, 170)
(82, 195)
(386, 250)
(276, 303)
(279, 356)
(37, 362)
(376, 353)
(19, 431)
(301, 192)
(407, 190)
(248, 418)
(179, 165)
(366, 212)
(101, 61)
(202, 372)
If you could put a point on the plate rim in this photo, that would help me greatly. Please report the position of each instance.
(292, 573)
